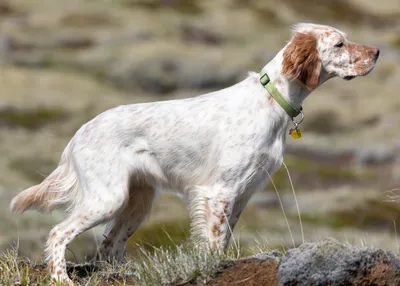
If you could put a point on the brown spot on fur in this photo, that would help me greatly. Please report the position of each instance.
(53, 235)
(226, 208)
(301, 60)
(59, 272)
(51, 266)
(270, 99)
(216, 230)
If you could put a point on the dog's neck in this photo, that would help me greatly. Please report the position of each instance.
(292, 90)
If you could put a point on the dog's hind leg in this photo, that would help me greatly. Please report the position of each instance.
(82, 219)
(119, 230)
(103, 196)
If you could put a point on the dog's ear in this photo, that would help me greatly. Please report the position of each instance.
(301, 60)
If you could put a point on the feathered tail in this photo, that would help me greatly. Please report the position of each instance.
(59, 188)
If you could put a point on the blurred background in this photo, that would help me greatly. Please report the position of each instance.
(63, 62)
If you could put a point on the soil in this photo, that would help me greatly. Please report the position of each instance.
(249, 273)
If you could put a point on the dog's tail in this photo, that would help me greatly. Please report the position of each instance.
(59, 188)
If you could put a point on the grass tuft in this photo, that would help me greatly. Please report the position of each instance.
(15, 271)
(180, 264)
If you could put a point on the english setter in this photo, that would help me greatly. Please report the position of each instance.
(215, 149)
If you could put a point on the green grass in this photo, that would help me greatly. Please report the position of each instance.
(31, 118)
(308, 173)
(160, 234)
(190, 7)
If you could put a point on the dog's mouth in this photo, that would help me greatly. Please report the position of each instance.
(349, 77)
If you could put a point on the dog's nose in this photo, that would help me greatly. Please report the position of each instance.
(376, 53)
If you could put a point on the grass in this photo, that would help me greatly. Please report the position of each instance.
(180, 264)
(154, 235)
(189, 7)
(166, 265)
(15, 271)
(323, 174)
(31, 118)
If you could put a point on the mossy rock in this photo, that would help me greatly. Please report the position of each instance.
(33, 118)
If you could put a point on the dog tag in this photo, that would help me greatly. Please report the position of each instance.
(295, 133)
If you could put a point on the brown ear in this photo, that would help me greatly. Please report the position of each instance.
(301, 60)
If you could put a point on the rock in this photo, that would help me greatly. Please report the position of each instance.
(324, 263)
(333, 263)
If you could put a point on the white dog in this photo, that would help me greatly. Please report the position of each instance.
(215, 149)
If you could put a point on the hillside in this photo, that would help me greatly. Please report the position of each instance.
(63, 62)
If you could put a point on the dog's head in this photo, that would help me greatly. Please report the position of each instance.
(316, 50)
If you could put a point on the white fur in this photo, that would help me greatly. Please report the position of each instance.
(215, 149)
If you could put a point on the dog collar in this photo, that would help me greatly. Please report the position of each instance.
(268, 85)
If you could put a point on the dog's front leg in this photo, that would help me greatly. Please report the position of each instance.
(211, 211)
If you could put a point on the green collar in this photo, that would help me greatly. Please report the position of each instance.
(290, 110)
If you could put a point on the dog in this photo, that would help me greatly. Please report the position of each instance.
(215, 149)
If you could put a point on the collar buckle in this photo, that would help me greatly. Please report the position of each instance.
(264, 79)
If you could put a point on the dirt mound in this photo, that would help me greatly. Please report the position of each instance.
(324, 263)
(249, 272)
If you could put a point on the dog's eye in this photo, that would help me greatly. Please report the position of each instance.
(339, 45)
